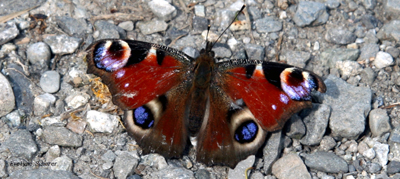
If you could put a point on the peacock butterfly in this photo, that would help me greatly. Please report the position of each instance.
(227, 106)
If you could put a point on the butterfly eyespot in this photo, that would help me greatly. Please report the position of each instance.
(246, 132)
(143, 117)
(111, 55)
(297, 84)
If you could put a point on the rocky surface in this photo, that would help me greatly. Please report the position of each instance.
(56, 122)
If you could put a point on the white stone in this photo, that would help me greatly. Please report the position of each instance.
(77, 100)
(382, 151)
(348, 68)
(370, 153)
(101, 122)
(232, 43)
(200, 10)
(162, 9)
(383, 60)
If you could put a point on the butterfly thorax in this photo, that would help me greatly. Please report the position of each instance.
(197, 103)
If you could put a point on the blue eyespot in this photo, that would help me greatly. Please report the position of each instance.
(246, 132)
(143, 117)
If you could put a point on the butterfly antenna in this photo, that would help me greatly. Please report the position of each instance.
(234, 19)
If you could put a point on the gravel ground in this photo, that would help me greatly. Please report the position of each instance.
(54, 125)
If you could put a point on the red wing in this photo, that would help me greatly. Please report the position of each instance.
(150, 82)
(163, 130)
(229, 132)
(136, 72)
(273, 92)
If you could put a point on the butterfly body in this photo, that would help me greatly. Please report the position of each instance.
(228, 106)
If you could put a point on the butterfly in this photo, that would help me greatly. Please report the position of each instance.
(223, 108)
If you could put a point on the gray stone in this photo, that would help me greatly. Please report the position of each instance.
(393, 167)
(61, 136)
(370, 37)
(392, 7)
(109, 156)
(310, 13)
(333, 55)
(368, 76)
(101, 122)
(8, 31)
(390, 31)
(50, 81)
(7, 99)
(393, 51)
(224, 17)
(62, 163)
(192, 52)
(255, 52)
(383, 60)
(240, 170)
(39, 54)
(41, 104)
(14, 118)
(171, 172)
(202, 174)
(124, 164)
(326, 162)
(107, 30)
(268, 24)
(379, 122)
(200, 23)
(222, 52)
(152, 26)
(53, 153)
(373, 167)
(8, 7)
(20, 144)
(395, 135)
(254, 12)
(368, 51)
(290, 166)
(73, 27)
(272, 150)
(316, 123)
(340, 36)
(174, 33)
(62, 44)
(162, 9)
(295, 127)
(3, 172)
(350, 106)
(43, 174)
(127, 25)
(22, 87)
(295, 58)
(327, 143)
(369, 21)
(154, 160)
(369, 4)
